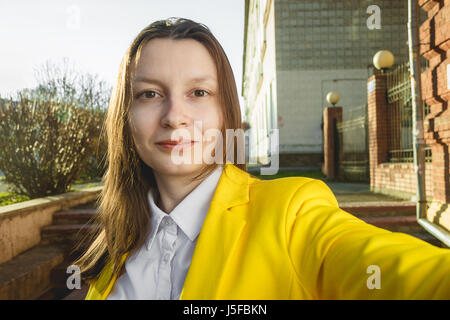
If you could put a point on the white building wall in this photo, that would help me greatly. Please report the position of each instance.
(259, 78)
(302, 98)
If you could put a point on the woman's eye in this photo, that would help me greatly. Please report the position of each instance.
(148, 94)
(200, 93)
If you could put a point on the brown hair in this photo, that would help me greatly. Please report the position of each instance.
(124, 213)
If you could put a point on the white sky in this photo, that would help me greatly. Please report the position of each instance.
(31, 32)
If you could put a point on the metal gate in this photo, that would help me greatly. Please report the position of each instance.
(400, 139)
(352, 152)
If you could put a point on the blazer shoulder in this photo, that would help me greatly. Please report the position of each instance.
(291, 190)
(291, 184)
(294, 190)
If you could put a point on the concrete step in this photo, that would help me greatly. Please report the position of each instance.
(69, 234)
(68, 228)
(380, 209)
(74, 216)
(78, 294)
(427, 237)
(395, 216)
(41, 272)
(406, 224)
(89, 205)
(58, 275)
(58, 280)
(28, 275)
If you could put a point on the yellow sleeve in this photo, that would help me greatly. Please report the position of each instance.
(338, 256)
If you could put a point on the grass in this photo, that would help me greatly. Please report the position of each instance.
(82, 185)
(7, 198)
(284, 174)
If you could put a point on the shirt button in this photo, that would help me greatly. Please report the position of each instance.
(166, 258)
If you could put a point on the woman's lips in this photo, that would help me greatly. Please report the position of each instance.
(177, 146)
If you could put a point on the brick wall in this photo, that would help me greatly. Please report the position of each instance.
(331, 116)
(398, 179)
(435, 47)
(378, 139)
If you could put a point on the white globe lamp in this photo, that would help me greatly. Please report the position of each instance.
(333, 97)
(383, 60)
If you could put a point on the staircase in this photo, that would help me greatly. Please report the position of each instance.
(396, 216)
(68, 228)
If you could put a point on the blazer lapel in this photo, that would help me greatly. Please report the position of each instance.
(219, 235)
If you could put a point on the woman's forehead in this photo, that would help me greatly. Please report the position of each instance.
(185, 58)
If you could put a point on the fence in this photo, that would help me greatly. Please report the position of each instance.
(352, 154)
(399, 118)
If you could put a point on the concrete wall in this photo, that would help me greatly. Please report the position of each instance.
(21, 223)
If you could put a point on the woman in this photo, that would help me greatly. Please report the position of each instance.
(202, 230)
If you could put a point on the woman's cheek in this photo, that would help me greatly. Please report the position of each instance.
(213, 119)
(143, 121)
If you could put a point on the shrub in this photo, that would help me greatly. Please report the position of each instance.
(49, 134)
(94, 167)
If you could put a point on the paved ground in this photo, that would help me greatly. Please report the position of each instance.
(356, 192)
(344, 191)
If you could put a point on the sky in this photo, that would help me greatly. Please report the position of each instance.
(94, 35)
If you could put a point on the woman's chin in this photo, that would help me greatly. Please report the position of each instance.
(182, 169)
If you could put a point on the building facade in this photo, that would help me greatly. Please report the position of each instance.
(295, 52)
(259, 85)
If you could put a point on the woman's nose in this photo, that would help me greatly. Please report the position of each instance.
(175, 115)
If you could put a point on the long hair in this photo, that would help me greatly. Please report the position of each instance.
(123, 210)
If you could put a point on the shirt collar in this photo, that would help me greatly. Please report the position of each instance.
(190, 213)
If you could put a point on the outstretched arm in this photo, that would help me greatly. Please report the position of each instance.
(338, 256)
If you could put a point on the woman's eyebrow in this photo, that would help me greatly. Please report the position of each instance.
(203, 79)
(158, 82)
(147, 80)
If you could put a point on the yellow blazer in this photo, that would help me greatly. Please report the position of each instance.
(288, 239)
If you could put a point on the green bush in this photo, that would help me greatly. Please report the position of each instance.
(50, 134)
(94, 167)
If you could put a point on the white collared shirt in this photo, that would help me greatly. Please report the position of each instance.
(158, 269)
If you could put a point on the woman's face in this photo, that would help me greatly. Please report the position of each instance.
(175, 90)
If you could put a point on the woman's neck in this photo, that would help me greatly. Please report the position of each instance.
(172, 190)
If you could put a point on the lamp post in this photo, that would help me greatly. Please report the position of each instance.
(330, 136)
(383, 60)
